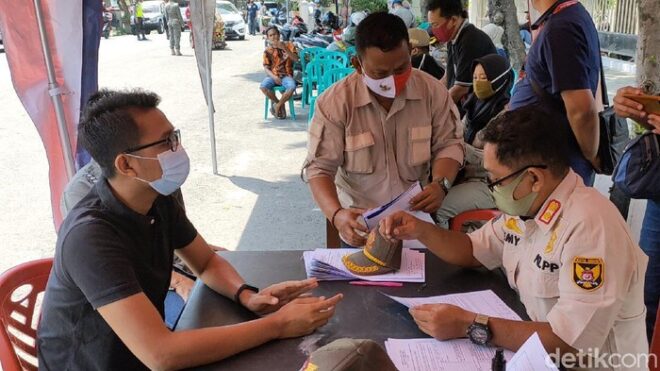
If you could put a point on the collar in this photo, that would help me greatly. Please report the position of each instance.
(554, 8)
(552, 209)
(460, 30)
(115, 206)
(363, 96)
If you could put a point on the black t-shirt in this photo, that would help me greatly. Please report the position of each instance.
(106, 252)
(426, 63)
(470, 44)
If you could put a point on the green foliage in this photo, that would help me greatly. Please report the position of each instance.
(369, 5)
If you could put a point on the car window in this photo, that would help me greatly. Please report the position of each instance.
(151, 8)
(226, 8)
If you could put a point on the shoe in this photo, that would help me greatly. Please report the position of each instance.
(178, 52)
(173, 53)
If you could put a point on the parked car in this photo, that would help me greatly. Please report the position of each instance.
(153, 18)
(235, 25)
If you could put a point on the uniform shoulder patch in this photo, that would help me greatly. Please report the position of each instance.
(588, 273)
(550, 211)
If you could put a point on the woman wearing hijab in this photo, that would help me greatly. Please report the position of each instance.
(491, 85)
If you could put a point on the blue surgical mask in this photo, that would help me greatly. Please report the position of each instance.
(175, 166)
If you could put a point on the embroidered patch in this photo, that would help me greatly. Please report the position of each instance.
(588, 273)
(512, 225)
(550, 211)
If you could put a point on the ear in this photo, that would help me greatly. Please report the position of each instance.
(538, 179)
(123, 166)
(356, 64)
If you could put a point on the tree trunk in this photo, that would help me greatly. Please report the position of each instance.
(504, 14)
(648, 46)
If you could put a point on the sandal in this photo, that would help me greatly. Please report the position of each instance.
(282, 114)
(272, 112)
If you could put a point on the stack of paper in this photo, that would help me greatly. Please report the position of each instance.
(326, 265)
(435, 355)
(462, 354)
(484, 302)
(400, 203)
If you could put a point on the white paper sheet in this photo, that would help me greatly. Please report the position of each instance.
(401, 202)
(531, 356)
(484, 302)
(326, 265)
(435, 355)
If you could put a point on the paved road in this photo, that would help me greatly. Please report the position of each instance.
(258, 201)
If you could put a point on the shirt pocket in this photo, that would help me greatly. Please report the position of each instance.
(419, 148)
(544, 285)
(358, 153)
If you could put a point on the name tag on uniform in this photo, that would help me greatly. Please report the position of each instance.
(543, 264)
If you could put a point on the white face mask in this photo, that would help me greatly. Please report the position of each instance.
(388, 87)
(175, 166)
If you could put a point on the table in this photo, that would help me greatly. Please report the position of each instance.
(363, 313)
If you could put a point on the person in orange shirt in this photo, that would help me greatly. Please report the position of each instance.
(278, 64)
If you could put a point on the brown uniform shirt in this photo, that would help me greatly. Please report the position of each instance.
(574, 266)
(374, 155)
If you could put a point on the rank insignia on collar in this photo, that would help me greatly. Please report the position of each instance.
(588, 273)
(550, 211)
(512, 225)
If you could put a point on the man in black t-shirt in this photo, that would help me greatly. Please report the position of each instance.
(465, 43)
(103, 307)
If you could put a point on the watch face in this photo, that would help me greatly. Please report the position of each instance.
(479, 334)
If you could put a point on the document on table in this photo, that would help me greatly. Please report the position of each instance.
(435, 355)
(401, 202)
(531, 356)
(326, 265)
(484, 302)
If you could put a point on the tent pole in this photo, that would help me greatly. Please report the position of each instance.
(55, 94)
(209, 99)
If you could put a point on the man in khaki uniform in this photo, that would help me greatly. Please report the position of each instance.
(380, 130)
(563, 247)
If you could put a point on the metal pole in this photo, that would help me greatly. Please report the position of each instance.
(209, 98)
(55, 94)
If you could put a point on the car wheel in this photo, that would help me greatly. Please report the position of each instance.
(161, 28)
(241, 37)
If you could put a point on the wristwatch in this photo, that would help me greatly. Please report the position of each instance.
(444, 183)
(479, 332)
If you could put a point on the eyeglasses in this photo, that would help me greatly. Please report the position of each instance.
(495, 183)
(173, 140)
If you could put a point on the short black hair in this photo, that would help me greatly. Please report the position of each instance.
(107, 127)
(381, 30)
(448, 8)
(528, 136)
(272, 28)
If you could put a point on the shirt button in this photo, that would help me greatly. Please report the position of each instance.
(153, 221)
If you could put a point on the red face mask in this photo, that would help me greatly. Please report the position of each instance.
(442, 33)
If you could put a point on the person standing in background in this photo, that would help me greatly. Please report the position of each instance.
(163, 4)
(139, 20)
(174, 23)
(252, 10)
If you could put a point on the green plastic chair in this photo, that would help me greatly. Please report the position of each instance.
(332, 76)
(317, 72)
(281, 90)
(339, 56)
(424, 26)
(314, 74)
(350, 52)
(307, 55)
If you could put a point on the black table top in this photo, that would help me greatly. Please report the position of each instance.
(364, 313)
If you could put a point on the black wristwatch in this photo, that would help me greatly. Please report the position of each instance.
(245, 286)
(479, 332)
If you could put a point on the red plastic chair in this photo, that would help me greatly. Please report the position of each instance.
(457, 222)
(20, 312)
(654, 358)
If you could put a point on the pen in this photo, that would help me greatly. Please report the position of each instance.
(372, 283)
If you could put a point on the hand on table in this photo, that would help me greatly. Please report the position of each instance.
(276, 296)
(429, 199)
(182, 285)
(304, 315)
(402, 226)
(346, 222)
(442, 321)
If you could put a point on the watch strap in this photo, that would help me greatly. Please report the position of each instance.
(245, 286)
(481, 319)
